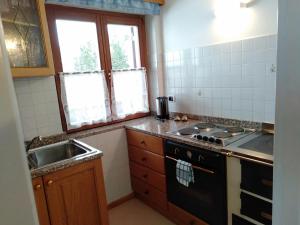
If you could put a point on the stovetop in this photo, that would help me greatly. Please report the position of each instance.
(216, 134)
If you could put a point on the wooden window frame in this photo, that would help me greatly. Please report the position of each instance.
(101, 18)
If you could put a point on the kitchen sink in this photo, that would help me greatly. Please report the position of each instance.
(58, 153)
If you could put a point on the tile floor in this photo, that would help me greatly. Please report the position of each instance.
(134, 212)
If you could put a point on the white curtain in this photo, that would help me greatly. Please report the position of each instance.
(129, 93)
(85, 98)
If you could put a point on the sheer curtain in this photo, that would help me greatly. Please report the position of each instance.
(85, 98)
(129, 92)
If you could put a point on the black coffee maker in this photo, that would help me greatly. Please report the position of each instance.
(162, 108)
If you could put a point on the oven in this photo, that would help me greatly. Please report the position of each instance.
(206, 197)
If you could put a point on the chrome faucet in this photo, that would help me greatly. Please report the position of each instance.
(34, 140)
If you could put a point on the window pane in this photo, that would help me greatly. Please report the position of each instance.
(78, 43)
(85, 98)
(124, 46)
(130, 93)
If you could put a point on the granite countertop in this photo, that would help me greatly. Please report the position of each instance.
(163, 129)
(155, 127)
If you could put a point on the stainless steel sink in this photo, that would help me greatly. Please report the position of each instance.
(57, 153)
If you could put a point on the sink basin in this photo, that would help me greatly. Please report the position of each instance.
(59, 152)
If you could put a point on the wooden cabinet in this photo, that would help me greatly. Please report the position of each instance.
(147, 159)
(145, 141)
(150, 194)
(149, 176)
(40, 201)
(27, 38)
(147, 167)
(76, 195)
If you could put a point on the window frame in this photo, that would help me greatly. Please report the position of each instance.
(101, 18)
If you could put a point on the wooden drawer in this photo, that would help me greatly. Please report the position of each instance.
(145, 141)
(256, 209)
(257, 179)
(182, 217)
(147, 192)
(148, 159)
(236, 220)
(149, 176)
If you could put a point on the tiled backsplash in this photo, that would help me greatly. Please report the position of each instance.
(38, 105)
(234, 80)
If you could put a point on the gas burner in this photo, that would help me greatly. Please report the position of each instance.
(204, 126)
(187, 131)
(234, 130)
(221, 134)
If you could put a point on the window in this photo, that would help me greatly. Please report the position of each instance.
(100, 64)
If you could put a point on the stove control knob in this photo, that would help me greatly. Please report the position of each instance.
(218, 141)
(205, 138)
(199, 137)
(211, 140)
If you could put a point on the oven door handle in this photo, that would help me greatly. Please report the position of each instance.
(194, 167)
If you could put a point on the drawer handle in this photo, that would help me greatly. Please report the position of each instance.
(266, 182)
(266, 216)
(145, 176)
(146, 192)
(144, 159)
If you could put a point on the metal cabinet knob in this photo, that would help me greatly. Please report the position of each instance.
(50, 182)
(37, 187)
(144, 159)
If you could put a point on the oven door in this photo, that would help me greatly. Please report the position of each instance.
(205, 198)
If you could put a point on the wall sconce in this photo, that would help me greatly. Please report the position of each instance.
(233, 17)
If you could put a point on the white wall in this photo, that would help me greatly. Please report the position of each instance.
(38, 104)
(115, 162)
(211, 46)
(191, 23)
(16, 197)
(231, 80)
(286, 206)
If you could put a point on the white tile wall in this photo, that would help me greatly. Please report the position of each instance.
(38, 105)
(153, 80)
(233, 80)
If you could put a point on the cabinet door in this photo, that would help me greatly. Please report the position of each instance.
(27, 38)
(76, 195)
(40, 201)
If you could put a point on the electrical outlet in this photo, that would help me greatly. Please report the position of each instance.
(172, 98)
(273, 68)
